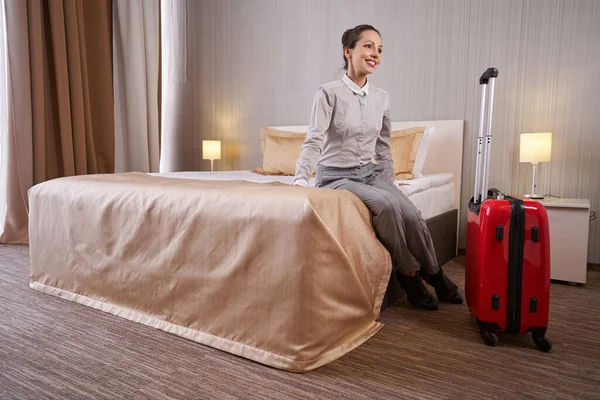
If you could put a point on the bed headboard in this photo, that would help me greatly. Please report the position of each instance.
(445, 150)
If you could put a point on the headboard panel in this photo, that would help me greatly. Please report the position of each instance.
(445, 152)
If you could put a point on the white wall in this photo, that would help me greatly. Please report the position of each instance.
(253, 63)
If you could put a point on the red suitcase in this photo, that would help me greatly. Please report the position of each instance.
(507, 274)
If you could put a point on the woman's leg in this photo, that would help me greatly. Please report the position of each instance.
(420, 243)
(391, 231)
(418, 237)
(387, 220)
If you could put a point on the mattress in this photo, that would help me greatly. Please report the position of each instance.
(434, 201)
(432, 194)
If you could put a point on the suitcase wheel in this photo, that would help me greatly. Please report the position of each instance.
(542, 343)
(490, 338)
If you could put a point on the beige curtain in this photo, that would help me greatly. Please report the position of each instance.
(59, 99)
(136, 46)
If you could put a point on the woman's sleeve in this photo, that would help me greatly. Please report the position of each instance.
(383, 153)
(320, 119)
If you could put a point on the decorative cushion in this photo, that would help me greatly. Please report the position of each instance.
(404, 145)
(281, 150)
(422, 152)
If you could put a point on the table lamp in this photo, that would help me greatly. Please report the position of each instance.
(535, 148)
(211, 150)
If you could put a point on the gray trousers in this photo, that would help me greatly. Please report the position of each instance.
(398, 224)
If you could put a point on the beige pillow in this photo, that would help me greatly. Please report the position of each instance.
(404, 145)
(281, 150)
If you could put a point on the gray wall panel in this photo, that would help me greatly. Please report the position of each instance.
(258, 63)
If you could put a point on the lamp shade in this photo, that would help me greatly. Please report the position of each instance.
(535, 147)
(211, 149)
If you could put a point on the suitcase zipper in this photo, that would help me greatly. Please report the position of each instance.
(515, 265)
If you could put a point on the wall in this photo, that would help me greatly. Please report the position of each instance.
(257, 63)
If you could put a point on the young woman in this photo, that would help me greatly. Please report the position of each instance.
(349, 125)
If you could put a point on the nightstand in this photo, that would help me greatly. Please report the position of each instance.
(569, 231)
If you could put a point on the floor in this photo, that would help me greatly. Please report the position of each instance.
(52, 348)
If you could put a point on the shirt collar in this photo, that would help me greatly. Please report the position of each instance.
(354, 87)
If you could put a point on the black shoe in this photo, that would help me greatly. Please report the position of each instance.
(416, 292)
(445, 289)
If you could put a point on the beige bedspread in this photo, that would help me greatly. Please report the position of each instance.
(291, 277)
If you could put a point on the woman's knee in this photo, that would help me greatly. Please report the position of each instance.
(381, 207)
(412, 217)
(389, 208)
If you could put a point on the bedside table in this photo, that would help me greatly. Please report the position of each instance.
(569, 221)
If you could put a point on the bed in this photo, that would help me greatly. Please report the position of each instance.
(234, 260)
(433, 194)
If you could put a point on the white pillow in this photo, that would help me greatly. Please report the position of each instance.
(422, 152)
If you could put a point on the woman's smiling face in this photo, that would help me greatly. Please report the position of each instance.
(365, 57)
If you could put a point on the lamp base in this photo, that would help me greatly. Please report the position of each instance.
(533, 196)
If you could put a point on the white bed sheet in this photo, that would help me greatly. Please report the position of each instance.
(432, 194)
(230, 176)
(434, 201)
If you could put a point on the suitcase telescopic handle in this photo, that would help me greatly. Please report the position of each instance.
(480, 193)
(489, 73)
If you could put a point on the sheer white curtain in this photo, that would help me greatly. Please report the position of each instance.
(136, 63)
(149, 84)
(174, 79)
(16, 168)
(3, 119)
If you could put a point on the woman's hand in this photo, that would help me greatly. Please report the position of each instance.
(300, 182)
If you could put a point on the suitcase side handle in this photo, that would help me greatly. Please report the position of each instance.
(495, 194)
(487, 75)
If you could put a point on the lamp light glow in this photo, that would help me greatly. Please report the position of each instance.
(535, 148)
(211, 150)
